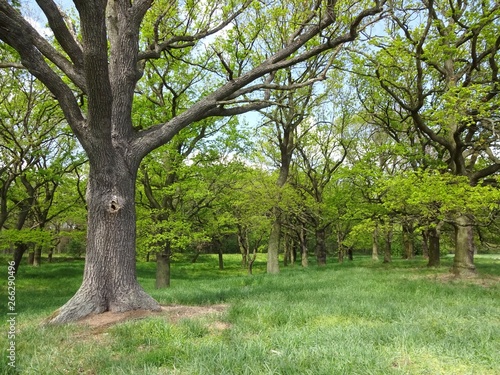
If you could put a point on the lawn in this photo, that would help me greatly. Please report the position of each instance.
(353, 318)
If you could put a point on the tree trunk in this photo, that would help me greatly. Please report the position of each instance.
(221, 256)
(251, 261)
(388, 245)
(425, 244)
(340, 245)
(289, 252)
(409, 246)
(375, 243)
(463, 264)
(19, 251)
(321, 246)
(31, 258)
(37, 256)
(273, 266)
(163, 267)
(109, 280)
(303, 246)
(434, 248)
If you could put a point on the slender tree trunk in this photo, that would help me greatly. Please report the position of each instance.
(463, 264)
(321, 246)
(425, 244)
(163, 267)
(340, 245)
(243, 246)
(251, 261)
(408, 242)
(109, 280)
(303, 246)
(434, 247)
(37, 256)
(221, 255)
(388, 245)
(273, 266)
(31, 258)
(375, 243)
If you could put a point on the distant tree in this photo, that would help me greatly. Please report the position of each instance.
(37, 153)
(438, 64)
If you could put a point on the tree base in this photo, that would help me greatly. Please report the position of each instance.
(464, 271)
(85, 303)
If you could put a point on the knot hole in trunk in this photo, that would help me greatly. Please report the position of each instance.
(114, 205)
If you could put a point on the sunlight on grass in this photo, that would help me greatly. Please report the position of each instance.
(357, 318)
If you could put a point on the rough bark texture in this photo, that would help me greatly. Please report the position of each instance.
(109, 281)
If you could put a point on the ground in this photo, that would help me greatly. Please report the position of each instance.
(173, 313)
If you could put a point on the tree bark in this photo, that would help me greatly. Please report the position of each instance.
(425, 244)
(19, 251)
(31, 258)
(37, 256)
(388, 245)
(434, 247)
(303, 246)
(220, 255)
(321, 246)
(340, 245)
(375, 243)
(409, 246)
(463, 264)
(109, 280)
(273, 266)
(163, 268)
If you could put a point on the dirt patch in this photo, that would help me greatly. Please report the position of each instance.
(486, 281)
(173, 313)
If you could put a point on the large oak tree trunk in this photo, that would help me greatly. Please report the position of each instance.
(109, 280)
(463, 264)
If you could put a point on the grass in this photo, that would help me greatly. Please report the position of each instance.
(353, 318)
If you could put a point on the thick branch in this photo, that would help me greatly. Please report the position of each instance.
(13, 23)
(61, 32)
(155, 136)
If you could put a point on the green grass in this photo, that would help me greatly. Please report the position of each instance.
(354, 318)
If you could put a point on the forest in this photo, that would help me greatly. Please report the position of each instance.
(280, 187)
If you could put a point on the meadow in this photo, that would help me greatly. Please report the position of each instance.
(358, 317)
